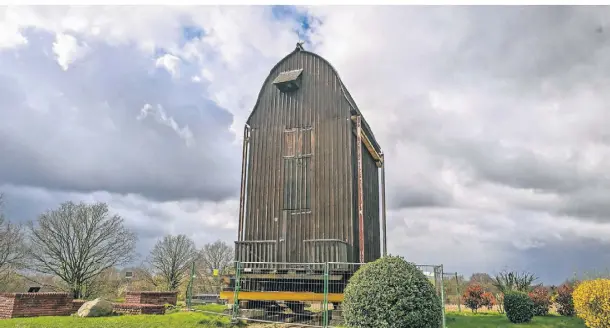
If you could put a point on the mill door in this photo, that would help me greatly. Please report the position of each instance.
(296, 214)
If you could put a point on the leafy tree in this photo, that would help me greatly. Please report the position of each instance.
(542, 301)
(172, 257)
(565, 303)
(473, 297)
(489, 300)
(77, 242)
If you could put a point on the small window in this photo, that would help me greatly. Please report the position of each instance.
(304, 145)
(288, 81)
(289, 143)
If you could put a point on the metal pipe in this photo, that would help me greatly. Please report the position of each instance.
(383, 208)
(242, 192)
(360, 188)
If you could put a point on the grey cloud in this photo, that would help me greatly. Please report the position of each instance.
(528, 44)
(518, 168)
(496, 71)
(146, 218)
(565, 259)
(589, 202)
(419, 196)
(78, 131)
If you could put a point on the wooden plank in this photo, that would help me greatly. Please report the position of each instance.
(289, 276)
(281, 296)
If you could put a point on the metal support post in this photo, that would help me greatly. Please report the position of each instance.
(457, 290)
(325, 305)
(189, 288)
(236, 292)
(383, 208)
(443, 297)
(360, 187)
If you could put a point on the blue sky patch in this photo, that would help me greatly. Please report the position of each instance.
(282, 12)
(190, 32)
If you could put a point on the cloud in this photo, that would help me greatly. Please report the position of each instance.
(68, 50)
(492, 120)
(202, 221)
(79, 129)
(491, 123)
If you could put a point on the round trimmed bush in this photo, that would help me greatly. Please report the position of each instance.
(519, 307)
(391, 292)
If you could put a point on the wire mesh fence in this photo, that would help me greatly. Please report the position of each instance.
(454, 285)
(305, 294)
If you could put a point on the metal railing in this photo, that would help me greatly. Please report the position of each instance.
(307, 294)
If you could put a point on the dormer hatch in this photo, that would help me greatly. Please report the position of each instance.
(288, 81)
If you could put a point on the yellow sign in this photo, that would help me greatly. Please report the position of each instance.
(215, 272)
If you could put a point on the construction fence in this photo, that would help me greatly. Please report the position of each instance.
(306, 294)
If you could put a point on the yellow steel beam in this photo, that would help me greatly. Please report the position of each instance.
(281, 296)
(369, 145)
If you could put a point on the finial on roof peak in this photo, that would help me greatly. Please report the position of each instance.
(300, 45)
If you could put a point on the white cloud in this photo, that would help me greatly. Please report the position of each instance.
(170, 63)
(492, 120)
(161, 117)
(67, 50)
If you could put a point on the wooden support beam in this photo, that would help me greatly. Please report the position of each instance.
(360, 187)
(281, 296)
(368, 144)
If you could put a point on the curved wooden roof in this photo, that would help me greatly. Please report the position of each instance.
(344, 91)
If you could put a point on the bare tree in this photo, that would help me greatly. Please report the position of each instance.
(171, 258)
(77, 242)
(12, 250)
(217, 255)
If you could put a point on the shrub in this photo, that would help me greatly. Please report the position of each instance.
(542, 301)
(507, 281)
(564, 302)
(519, 307)
(473, 297)
(391, 292)
(592, 302)
(489, 301)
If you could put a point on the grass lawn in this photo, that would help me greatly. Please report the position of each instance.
(202, 320)
(495, 320)
(179, 319)
(183, 319)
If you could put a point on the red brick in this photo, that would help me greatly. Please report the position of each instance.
(147, 297)
(130, 308)
(15, 305)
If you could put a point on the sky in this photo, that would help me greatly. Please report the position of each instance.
(493, 120)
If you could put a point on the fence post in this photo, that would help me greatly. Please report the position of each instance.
(325, 303)
(236, 292)
(457, 290)
(189, 288)
(443, 296)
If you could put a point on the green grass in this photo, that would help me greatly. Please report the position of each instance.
(181, 319)
(177, 319)
(466, 319)
(202, 320)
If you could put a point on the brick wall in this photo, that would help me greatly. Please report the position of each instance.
(15, 305)
(6, 305)
(127, 308)
(76, 304)
(158, 298)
